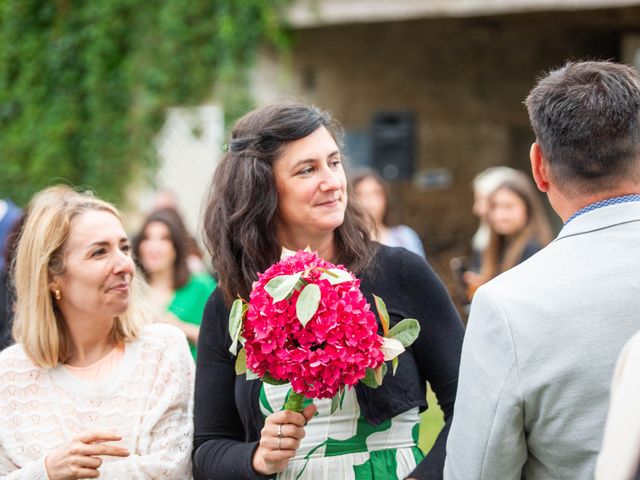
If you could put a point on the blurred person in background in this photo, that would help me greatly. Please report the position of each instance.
(162, 250)
(518, 228)
(372, 192)
(484, 184)
(619, 457)
(7, 292)
(92, 387)
(465, 271)
(543, 338)
(9, 214)
(166, 199)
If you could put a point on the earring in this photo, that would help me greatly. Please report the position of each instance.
(58, 294)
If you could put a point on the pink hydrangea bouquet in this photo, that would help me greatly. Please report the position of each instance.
(307, 323)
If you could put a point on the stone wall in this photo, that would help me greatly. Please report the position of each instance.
(465, 79)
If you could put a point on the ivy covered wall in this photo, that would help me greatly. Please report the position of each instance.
(84, 84)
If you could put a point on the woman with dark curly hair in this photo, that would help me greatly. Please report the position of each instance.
(281, 185)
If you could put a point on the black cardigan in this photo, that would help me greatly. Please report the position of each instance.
(227, 415)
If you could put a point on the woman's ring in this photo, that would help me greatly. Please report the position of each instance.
(279, 435)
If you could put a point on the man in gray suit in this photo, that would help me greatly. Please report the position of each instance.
(542, 338)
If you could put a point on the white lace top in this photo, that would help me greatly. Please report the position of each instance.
(148, 400)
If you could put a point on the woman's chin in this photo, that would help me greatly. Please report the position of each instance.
(121, 309)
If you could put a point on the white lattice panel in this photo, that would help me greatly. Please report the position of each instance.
(189, 147)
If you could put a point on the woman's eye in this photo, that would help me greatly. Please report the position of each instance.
(98, 252)
(335, 163)
(306, 171)
(126, 248)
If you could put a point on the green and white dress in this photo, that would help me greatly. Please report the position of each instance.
(344, 446)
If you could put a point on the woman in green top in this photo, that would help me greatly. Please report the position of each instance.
(161, 250)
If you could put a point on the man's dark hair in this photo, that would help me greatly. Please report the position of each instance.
(586, 118)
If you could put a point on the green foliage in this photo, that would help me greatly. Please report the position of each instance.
(308, 303)
(382, 314)
(405, 331)
(236, 318)
(282, 286)
(84, 85)
(241, 362)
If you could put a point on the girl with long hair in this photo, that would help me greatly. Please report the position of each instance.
(161, 251)
(518, 229)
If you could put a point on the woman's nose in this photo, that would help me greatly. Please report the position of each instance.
(331, 180)
(123, 264)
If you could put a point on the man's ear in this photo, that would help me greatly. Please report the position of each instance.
(539, 168)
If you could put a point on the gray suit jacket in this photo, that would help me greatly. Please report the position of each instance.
(539, 352)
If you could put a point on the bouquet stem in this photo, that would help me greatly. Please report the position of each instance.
(294, 402)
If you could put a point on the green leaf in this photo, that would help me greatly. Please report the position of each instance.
(241, 362)
(380, 372)
(307, 304)
(383, 314)
(405, 331)
(394, 365)
(370, 379)
(273, 381)
(300, 284)
(235, 323)
(336, 401)
(336, 276)
(280, 287)
(251, 375)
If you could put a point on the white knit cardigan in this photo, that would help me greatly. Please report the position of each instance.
(148, 400)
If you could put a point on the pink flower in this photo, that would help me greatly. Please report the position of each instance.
(331, 351)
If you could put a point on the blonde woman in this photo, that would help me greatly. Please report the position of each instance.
(519, 228)
(91, 387)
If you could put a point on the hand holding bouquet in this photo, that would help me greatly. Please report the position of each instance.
(308, 323)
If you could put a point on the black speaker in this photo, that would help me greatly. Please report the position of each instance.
(393, 144)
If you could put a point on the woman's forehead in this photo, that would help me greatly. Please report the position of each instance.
(94, 224)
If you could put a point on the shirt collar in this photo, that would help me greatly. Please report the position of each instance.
(604, 203)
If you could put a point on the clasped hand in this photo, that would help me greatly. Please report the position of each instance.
(279, 439)
(79, 459)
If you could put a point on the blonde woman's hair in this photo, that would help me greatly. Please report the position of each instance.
(501, 255)
(39, 326)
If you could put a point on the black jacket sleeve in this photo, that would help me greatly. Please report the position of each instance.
(220, 447)
(438, 353)
(437, 350)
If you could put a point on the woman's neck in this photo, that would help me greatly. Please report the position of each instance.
(162, 280)
(324, 245)
(162, 288)
(90, 341)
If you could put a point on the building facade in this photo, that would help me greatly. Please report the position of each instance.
(460, 68)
